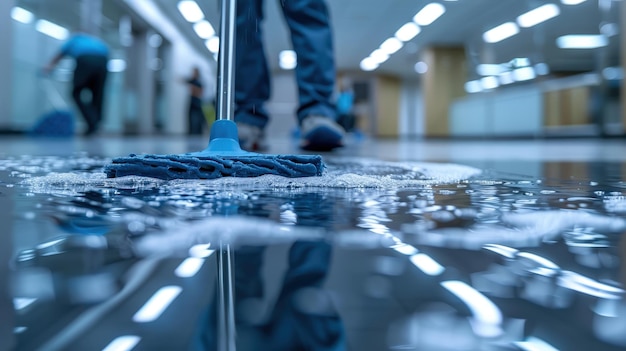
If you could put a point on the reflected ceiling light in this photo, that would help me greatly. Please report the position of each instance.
(368, 64)
(572, 2)
(20, 303)
(575, 41)
(21, 15)
(213, 44)
(501, 32)
(523, 74)
(489, 69)
(427, 265)
(408, 31)
(379, 56)
(204, 29)
(190, 11)
(534, 344)
(189, 267)
(490, 82)
(429, 14)
(287, 59)
(391, 45)
(538, 15)
(122, 343)
(473, 86)
(421, 67)
(154, 307)
(51, 29)
(487, 317)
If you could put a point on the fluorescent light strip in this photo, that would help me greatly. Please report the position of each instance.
(538, 15)
(572, 2)
(213, 44)
(489, 82)
(190, 11)
(429, 14)
(21, 15)
(204, 29)
(427, 265)
(473, 86)
(487, 316)
(152, 309)
(122, 343)
(368, 64)
(591, 41)
(53, 30)
(391, 45)
(189, 267)
(501, 32)
(408, 31)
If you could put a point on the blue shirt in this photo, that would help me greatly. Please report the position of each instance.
(83, 44)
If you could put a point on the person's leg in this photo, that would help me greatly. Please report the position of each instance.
(82, 74)
(97, 89)
(252, 81)
(311, 36)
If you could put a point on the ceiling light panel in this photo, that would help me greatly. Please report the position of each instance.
(501, 32)
(538, 15)
(408, 31)
(429, 14)
(590, 41)
(204, 29)
(190, 11)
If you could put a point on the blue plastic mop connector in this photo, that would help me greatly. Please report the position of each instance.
(224, 140)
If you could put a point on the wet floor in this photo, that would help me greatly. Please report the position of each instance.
(376, 254)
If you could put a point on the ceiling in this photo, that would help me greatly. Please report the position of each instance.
(360, 26)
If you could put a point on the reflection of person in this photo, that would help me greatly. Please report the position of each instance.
(196, 120)
(311, 37)
(91, 56)
(304, 316)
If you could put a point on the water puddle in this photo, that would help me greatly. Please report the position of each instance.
(482, 243)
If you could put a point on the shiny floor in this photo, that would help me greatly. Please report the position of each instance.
(402, 245)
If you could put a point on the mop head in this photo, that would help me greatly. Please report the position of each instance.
(211, 166)
(222, 158)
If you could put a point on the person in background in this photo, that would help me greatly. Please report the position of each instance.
(311, 37)
(196, 120)
(91, 55)
(345, 106)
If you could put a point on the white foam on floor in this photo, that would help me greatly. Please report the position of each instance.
(361, 173)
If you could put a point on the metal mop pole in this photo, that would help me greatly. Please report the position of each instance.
(226, 58)
(224, 110)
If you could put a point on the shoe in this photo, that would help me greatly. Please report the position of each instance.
(251, 138)
(321, 133)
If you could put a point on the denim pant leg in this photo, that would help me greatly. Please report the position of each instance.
(311, 36)
(252, 81)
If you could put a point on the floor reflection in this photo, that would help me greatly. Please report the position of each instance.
(374, 256)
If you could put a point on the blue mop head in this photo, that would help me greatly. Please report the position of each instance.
(222, 158)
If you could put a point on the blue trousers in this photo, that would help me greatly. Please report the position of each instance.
(311, 37)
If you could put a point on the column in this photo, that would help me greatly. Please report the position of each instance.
(6, 64)
(443, 83)
(140, 85)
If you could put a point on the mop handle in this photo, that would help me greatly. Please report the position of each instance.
(225, 70)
